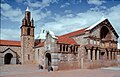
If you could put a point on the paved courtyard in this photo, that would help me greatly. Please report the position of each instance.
(35, 72)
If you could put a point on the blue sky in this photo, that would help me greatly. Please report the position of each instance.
(60, 16)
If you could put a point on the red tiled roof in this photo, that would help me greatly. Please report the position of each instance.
(65, 40)
(66, 37)
(10, 43)
(75, 32)
(40, 44)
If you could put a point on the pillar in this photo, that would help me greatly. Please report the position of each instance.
(115, 55)
(62, 47)
(93, 54)
(98, 54)
(112, 55)
(65, 48)
(109, 55)
(59, 47)
(75, 49)
(89, 51)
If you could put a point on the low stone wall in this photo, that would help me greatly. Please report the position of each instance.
(98, 64)
(118, 59)
(69, 65)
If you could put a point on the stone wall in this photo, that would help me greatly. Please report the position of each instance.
(27, 44)
(80, 40)
(68, 61)
(39, 55)
(96, 32)
(68, 65)
(13, 50)
(98, 64)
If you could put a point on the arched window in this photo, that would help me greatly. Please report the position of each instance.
(28, 31)
(104, 32)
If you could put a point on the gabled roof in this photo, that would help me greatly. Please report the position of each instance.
(90, 27)
(9, 43)
(99, 22)
(112, 28)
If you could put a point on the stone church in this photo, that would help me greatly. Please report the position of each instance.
(91, 47)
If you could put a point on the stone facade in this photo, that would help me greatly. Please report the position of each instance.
(10, 50)
(95, 47)
(91, 47)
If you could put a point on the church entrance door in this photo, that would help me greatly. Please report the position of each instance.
(48, 59)
(7, 58)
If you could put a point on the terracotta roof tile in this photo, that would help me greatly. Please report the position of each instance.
(40, 44)
(65, 40)
(75, 32)
(10, 43)
(66, 37)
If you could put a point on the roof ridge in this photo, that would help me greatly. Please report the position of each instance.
(95, 24)
(72, 32)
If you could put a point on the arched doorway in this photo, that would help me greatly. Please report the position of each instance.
(48, 59)
(7, 58)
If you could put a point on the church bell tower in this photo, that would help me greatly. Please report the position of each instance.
(27, 38)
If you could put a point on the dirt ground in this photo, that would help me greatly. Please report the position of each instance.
(72, 73)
